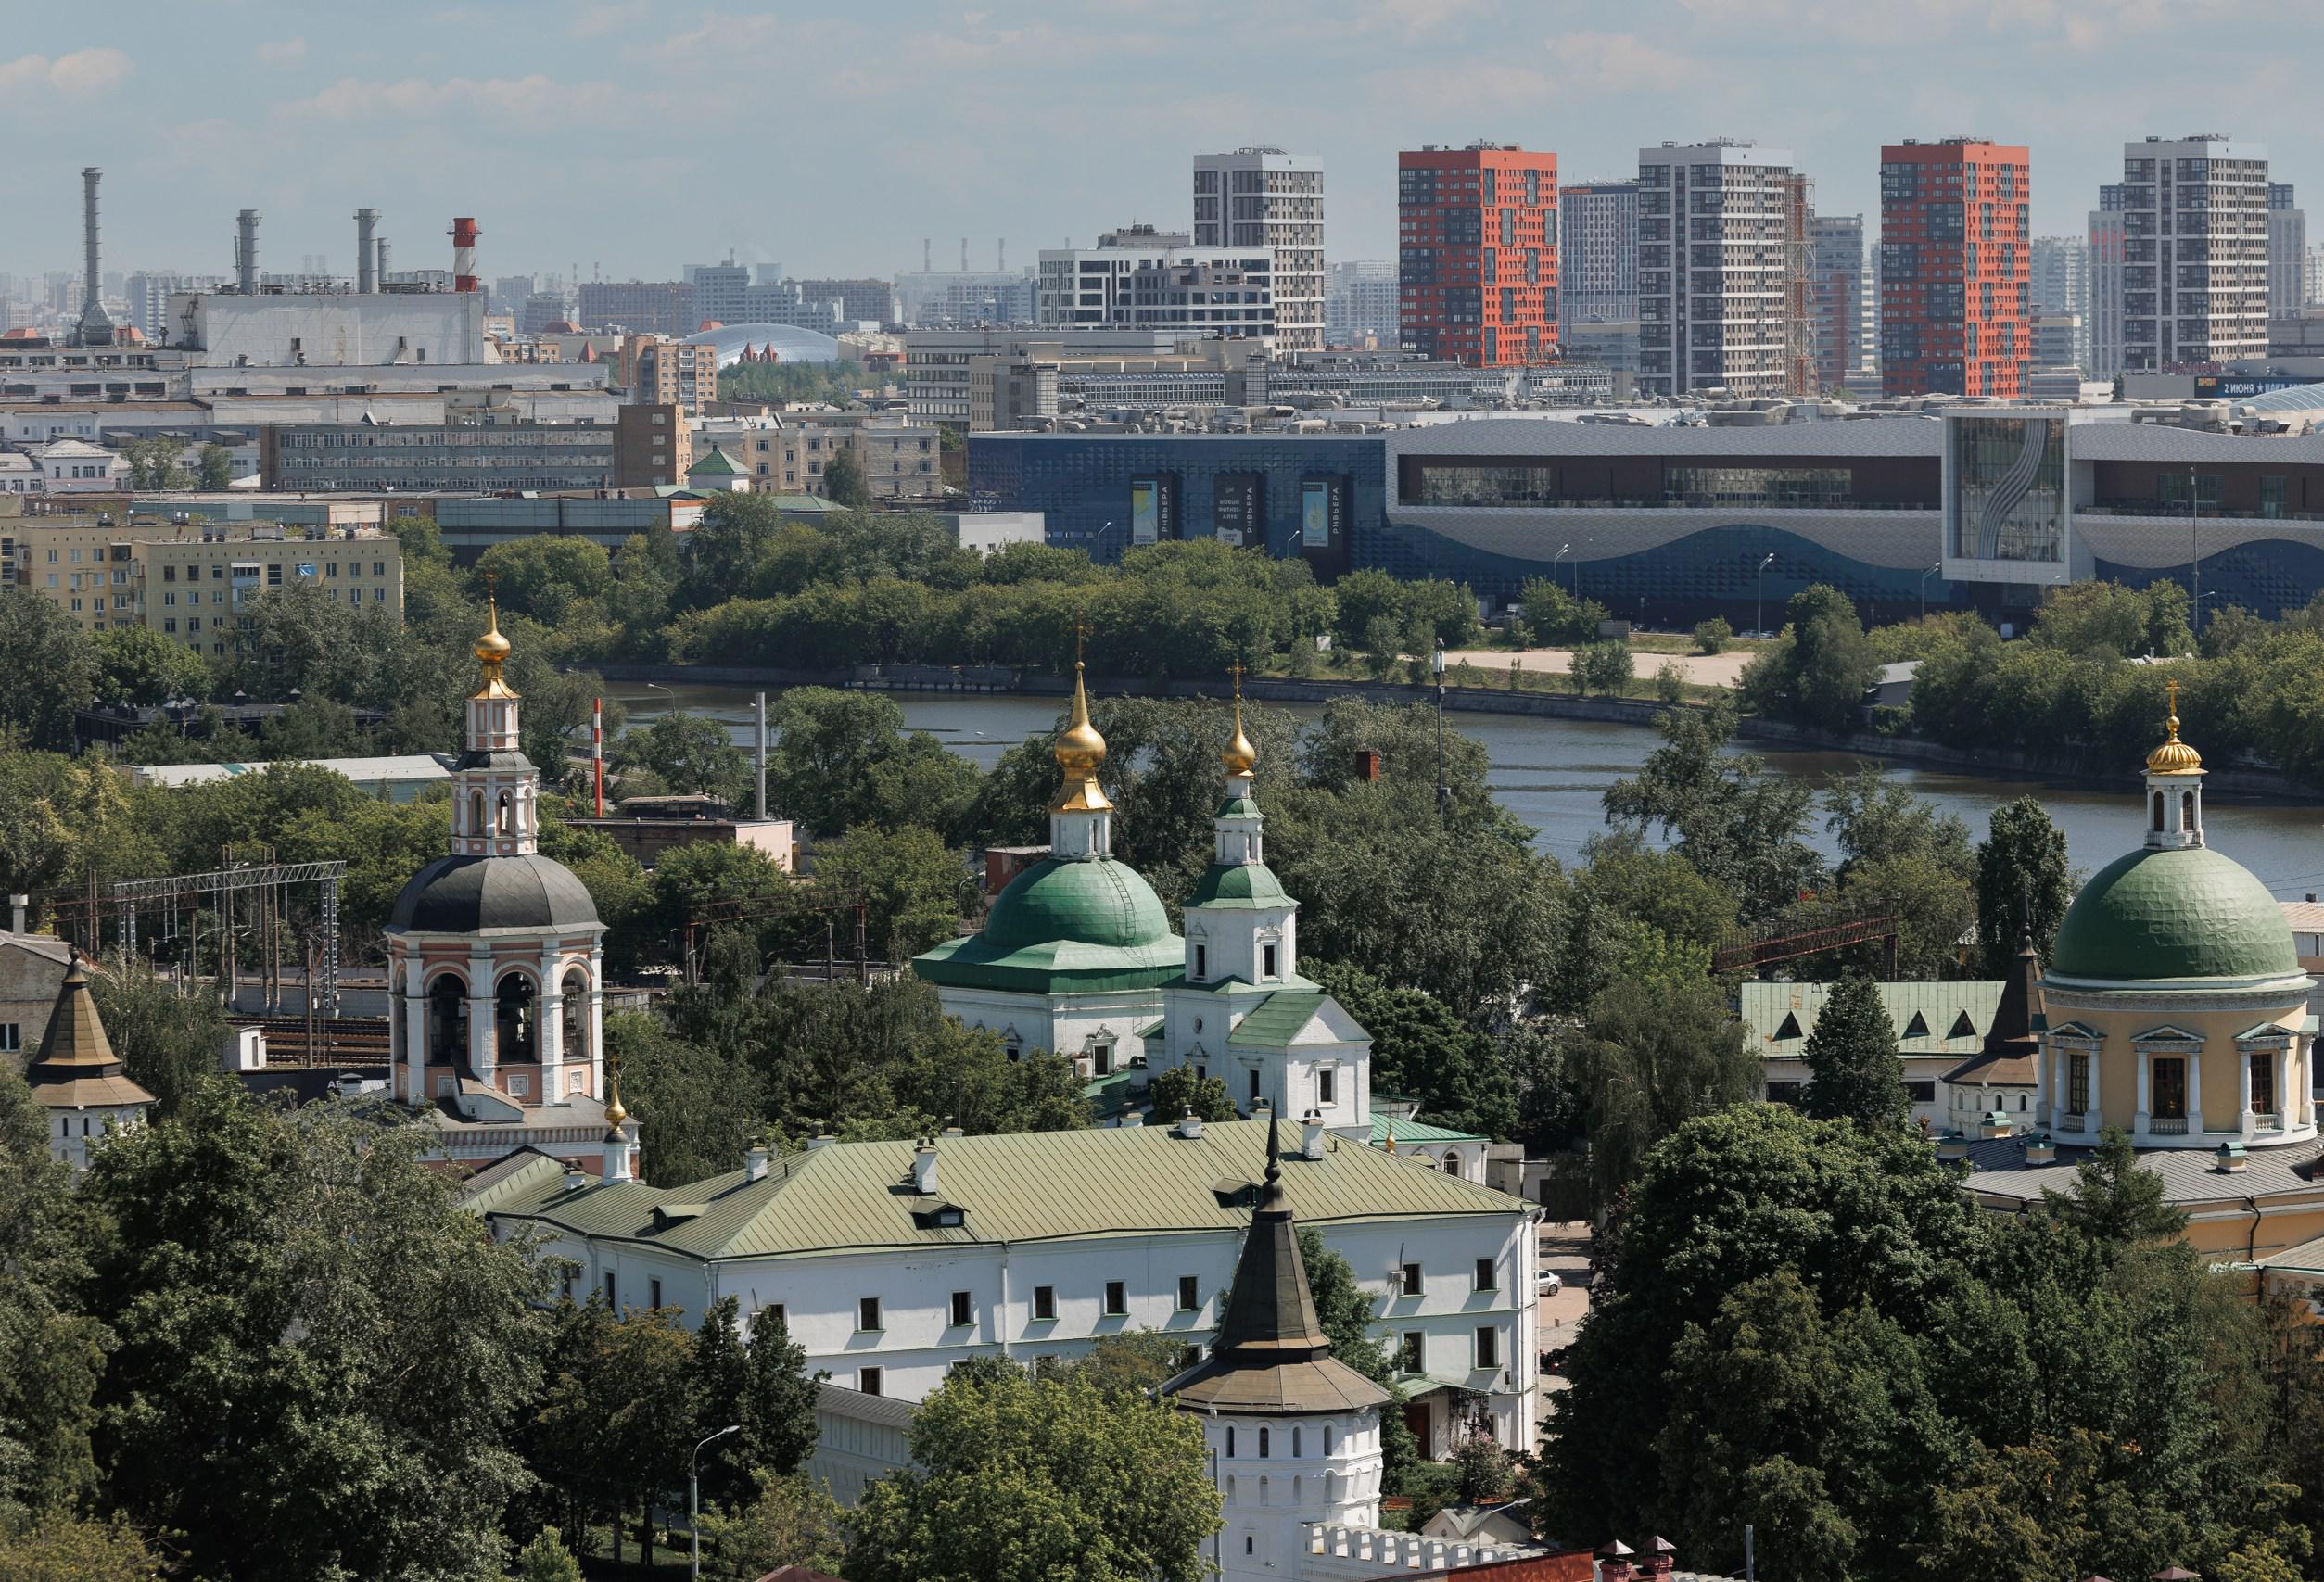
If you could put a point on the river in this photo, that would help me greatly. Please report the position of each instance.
(1551, 774)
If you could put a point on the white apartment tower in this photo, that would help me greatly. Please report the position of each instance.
(2287, 252)
(1264, 197)
(2103, 266)
(1717, 228)
(2194, 265)
(2062, 286)
(1363, 301)
(1597, 254)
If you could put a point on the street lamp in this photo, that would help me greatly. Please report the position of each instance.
(694, 1498)
(1758, 610)
(1924, 577)
(1563, 550)
(2194, 554)
(1444, 791)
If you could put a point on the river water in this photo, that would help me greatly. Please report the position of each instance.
(1551, 774)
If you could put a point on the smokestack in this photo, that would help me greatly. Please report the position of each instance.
(964, 254)
(1000, 256)
(366, 257)
(927, 258)
(95, 328)
(383, 263)
(464, 254)
(246, 252)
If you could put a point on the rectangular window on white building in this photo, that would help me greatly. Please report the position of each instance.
(612, 1292)
(1488, 1346)
(1409, 1281)
(868, 1380)
(866, 1313)
(1117, 1299)
(1327, 1085)
(654, 1293)
(963, 1309)
(11, 1037)
(1414, 1351)
(1484, 1274)
(1044, 1303)
(1190, 1293)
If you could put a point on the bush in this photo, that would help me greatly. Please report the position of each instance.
(1713, 635)
(1604, 666)
(1670, 683)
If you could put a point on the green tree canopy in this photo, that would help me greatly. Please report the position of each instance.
(1853, 1069)
(2022, 882)
(1817, 672)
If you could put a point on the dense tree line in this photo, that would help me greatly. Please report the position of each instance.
(1808, 1327)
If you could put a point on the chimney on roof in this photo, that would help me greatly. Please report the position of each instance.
(1190, 1125)
(924, 1167)
(821, 1140)
(246, 252)
(366, 251)
(16, 904)
(754, 1162)
(1661, 1555)
(1614, 1562)
(1311, 1142)
(574, 1178)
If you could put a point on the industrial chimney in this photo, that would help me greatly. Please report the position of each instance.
(366, 257)
(96, 329)
(246, 252)
(383, 263)
(464, 254)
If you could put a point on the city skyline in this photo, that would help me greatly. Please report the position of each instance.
(1012, 125)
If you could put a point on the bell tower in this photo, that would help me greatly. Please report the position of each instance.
(496, 791)
(1081, 820)
(2173, 788)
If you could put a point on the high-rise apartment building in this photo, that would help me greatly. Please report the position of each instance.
(1721, 234)
(2287, 252)
(1838, 294)
(1361, 304)
(1477, 253)
(1956, 246)
(1264, 197)
(1142, 278)
(2105, 267)
(2194, 265)
(1597, 255)
(2062, 286)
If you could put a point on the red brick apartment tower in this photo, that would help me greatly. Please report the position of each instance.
(1956, 268)
(1476, 254)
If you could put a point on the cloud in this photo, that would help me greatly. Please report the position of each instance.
(76, 76)
(283, 52)
(1615, 63)
(535, 100)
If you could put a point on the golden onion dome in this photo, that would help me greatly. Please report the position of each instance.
(614, 1113)
(1240, 754)
(2174, 756)
(1080, 749)
(492, 647)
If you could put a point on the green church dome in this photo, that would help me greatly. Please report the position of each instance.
(1065, 926)
(1099, 901)
(1242, 885)
(2173, 914)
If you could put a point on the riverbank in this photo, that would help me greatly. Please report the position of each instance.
(2062, 768)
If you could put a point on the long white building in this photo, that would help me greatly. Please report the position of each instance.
(1139, 278)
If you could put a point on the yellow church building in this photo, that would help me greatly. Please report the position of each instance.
(2176, 1011)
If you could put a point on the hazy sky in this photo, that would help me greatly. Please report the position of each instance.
(633, 137)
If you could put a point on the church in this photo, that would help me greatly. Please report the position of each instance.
(495, 967)
(1077, 956)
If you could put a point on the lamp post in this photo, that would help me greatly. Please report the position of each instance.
(1924, 577)
(2194, 554)
(1758, 610)
(694, 1498)
(1563, 550)
(1444, 791)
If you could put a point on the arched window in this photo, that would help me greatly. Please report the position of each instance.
(1263, 1444)
(2186, 812)
(576, 1043)
(508, 815)
(1451, 1162)
(447, 1021)
(1327, 1439)
(2158, 813)
(1230, 1439)
(477, 825)
(516, 1020)
(1295, 1443)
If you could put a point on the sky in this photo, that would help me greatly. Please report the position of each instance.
(630, 138)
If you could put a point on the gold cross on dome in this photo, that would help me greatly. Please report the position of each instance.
(1236, 670)
(1081, 635)
(2171, 686)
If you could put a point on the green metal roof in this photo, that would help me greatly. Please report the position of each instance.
(1017, 1187)
(1239, 807)
(1928, 1015)
(1275, 1021)
(1239, 885)
(1410, 1131)
(1065, 925)
(717, 464)
(2173, 914)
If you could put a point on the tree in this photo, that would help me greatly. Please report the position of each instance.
(306, 1279)
(137, 664)
(844, 481)
(1178, 1090)
(547, 1560)
(844, 758)
(64, 1548)
(39, 640)
(912, 886)
(544, 575)
(157, 462)
(1554, 617)
(1604, 665)
(217, 464)
(686, 753)
(2022, 882)
(2112, 1201)
(790, 1521)
(1817, 673)
(1015, 1476)
(1713, 635)
(624, 1416)
(169, 1041)
(779, 1397)
(1854, 1072)
(1420, 1049)
(2108, 620)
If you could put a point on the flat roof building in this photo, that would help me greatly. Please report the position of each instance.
(1264, 198)
(1956, 266)
(1718, 226)
(492, 455)
(1477, 253)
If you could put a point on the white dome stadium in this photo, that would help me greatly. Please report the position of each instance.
(790, 344)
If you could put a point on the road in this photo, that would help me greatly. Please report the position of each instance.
(1565, 1251)
(1704, 669)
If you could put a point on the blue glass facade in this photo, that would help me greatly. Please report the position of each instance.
(2270, 577)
